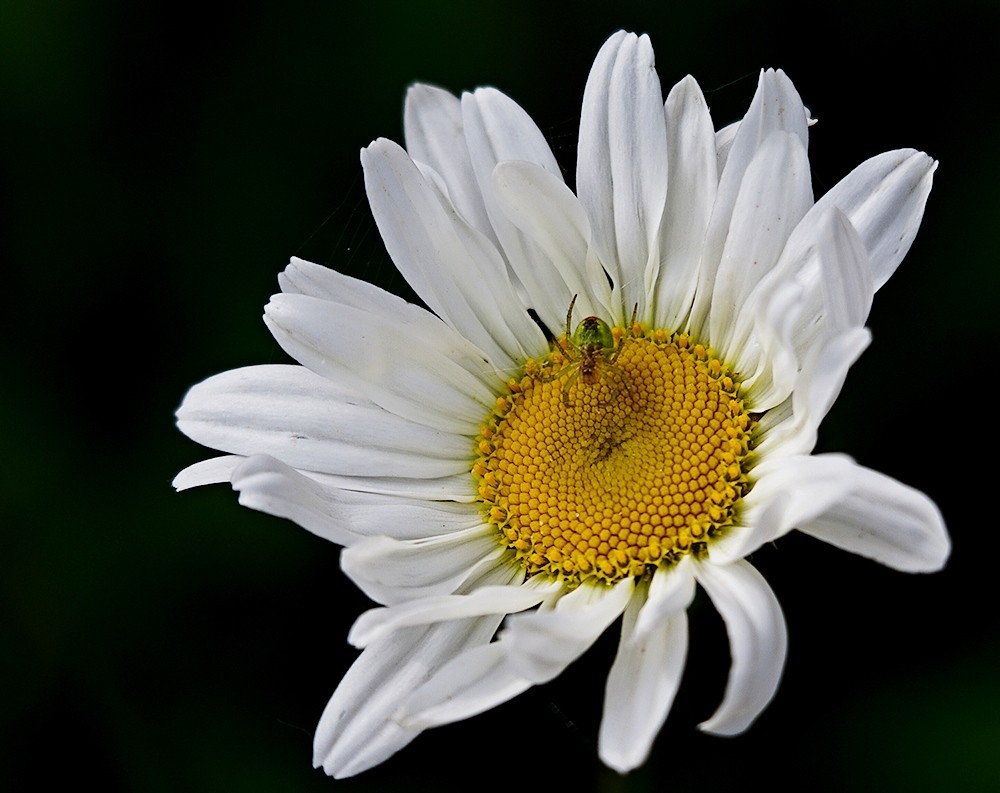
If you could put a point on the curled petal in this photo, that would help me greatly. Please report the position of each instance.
(670, 591)
(832, 498)
(207, 472)
(788, 492)
(757, 640)
(884, 520)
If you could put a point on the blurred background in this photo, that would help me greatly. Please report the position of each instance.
(160, 162)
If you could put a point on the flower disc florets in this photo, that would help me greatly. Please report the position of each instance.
(599, 478)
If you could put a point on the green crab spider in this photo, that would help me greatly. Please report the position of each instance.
(591, 352)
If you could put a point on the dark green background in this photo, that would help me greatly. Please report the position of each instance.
(159, 163)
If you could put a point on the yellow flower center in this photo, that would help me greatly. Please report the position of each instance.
(601, 463)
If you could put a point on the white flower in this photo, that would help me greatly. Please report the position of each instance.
(497, 462)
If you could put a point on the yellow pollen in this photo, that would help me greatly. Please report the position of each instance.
(605, 476)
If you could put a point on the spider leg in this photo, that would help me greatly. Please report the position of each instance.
(618, 351)
(569, 384)
(551, 376)
(569, 318)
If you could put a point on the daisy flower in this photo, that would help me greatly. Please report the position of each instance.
(611, 399)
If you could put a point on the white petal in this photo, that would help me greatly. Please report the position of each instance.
(885, 520)
(548, 212)
(810, 313)
(359, 491)
(472, 683)
(343, 516)
(622, 161)
(314, 424)
(776, 106)
(723, 143)
(757, 641)
(380, 358)
(826, 257)
(787, 492)
(641, 687)
(457, 488)
(394, 571)
(357, 729)
(454, 268)
(419, 326)
(884, 199)
(848, 288)
(207, 472)
(268, 485)
(823, 374)
(671, 590)
(435, 135)
(376, 623)
(775, 193)
(499, 130)
(543, 643)
(691, 189)
(816, 388)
